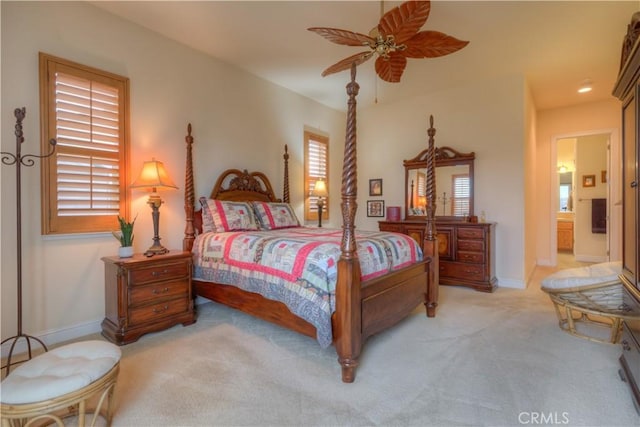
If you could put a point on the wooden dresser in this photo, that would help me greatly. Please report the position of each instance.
(466, 250)
(627, 89)
(145, 295)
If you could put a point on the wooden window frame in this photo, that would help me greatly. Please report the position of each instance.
(52, 222)
(310, 202)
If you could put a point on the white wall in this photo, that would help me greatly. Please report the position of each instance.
(591, 159)
(239, 121)
(486, 117)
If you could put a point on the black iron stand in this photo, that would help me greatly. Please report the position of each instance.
(19, 160)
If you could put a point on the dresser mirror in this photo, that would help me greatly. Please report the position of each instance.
(454, 185)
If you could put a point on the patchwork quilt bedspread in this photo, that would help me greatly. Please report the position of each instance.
(297, 266)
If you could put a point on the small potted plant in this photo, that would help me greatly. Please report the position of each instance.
(125, 236)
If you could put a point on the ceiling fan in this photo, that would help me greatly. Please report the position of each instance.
(394, 39)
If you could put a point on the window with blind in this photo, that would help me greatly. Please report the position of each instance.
(316, 167)
(84, 184)
(460, 196)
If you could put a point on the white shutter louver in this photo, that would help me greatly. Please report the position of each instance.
(87, 158)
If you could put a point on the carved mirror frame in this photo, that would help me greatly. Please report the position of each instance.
(444, 156)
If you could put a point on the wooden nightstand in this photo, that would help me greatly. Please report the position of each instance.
(145, 295)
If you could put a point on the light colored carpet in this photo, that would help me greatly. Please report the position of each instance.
(486, 360)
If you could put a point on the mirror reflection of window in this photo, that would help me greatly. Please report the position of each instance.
(565, 193)
(460, 195)
(566, 198)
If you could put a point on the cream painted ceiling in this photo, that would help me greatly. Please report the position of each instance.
(555, 45)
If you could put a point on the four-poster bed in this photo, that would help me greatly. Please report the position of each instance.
(364, 303)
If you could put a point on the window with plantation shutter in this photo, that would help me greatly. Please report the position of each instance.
(460, 196)
(316, 167)
(84, 184)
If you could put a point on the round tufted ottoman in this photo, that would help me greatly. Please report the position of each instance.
(65, 377)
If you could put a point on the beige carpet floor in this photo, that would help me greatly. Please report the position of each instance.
(495, 359)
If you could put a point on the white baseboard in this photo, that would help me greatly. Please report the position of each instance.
(511, 283)
(53, 337)
(57, 336)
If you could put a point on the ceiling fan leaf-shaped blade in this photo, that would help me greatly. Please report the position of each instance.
(404, 21)
(390, 70)
(344, 37)
(345, 64)
(432, 44)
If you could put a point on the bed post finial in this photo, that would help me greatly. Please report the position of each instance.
(189, 195)
(285, 192)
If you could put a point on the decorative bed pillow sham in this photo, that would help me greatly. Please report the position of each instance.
(221, 215)
(272, 216)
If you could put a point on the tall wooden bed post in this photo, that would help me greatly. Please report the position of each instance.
(348, 339)
(189, 196)
(430, 245)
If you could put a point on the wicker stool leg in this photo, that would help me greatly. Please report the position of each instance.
(616, 330)
(570, 320)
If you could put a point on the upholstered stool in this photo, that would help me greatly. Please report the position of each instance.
(63, 378)
(590, 296)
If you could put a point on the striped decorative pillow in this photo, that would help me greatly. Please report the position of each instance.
(220, 215)
(272, 216)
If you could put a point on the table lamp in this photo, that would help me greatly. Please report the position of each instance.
(153, 177)
(320, 191)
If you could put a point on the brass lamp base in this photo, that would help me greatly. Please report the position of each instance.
(156, 249)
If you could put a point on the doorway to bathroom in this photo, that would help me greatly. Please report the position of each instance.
(583, 179)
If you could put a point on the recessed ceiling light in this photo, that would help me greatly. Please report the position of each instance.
(585, 87)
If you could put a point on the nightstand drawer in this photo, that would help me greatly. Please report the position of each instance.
(156, 311)
(141, 294)
(158, 272)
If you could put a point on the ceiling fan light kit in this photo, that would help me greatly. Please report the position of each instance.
(396, 38)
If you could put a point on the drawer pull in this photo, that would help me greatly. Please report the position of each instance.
(161, 291)
(160, 310)
(159, 273)
(625, 345)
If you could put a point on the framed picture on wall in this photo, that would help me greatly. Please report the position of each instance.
(375, 187)
(588, 180)
(375, 208)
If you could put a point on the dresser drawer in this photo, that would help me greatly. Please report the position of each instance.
(473, 257)
(141, 294)
(462, 271)
(470, 233)
(158, 272)
(396, 228)
(631, 352)
(470, 245)
(152, 312)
